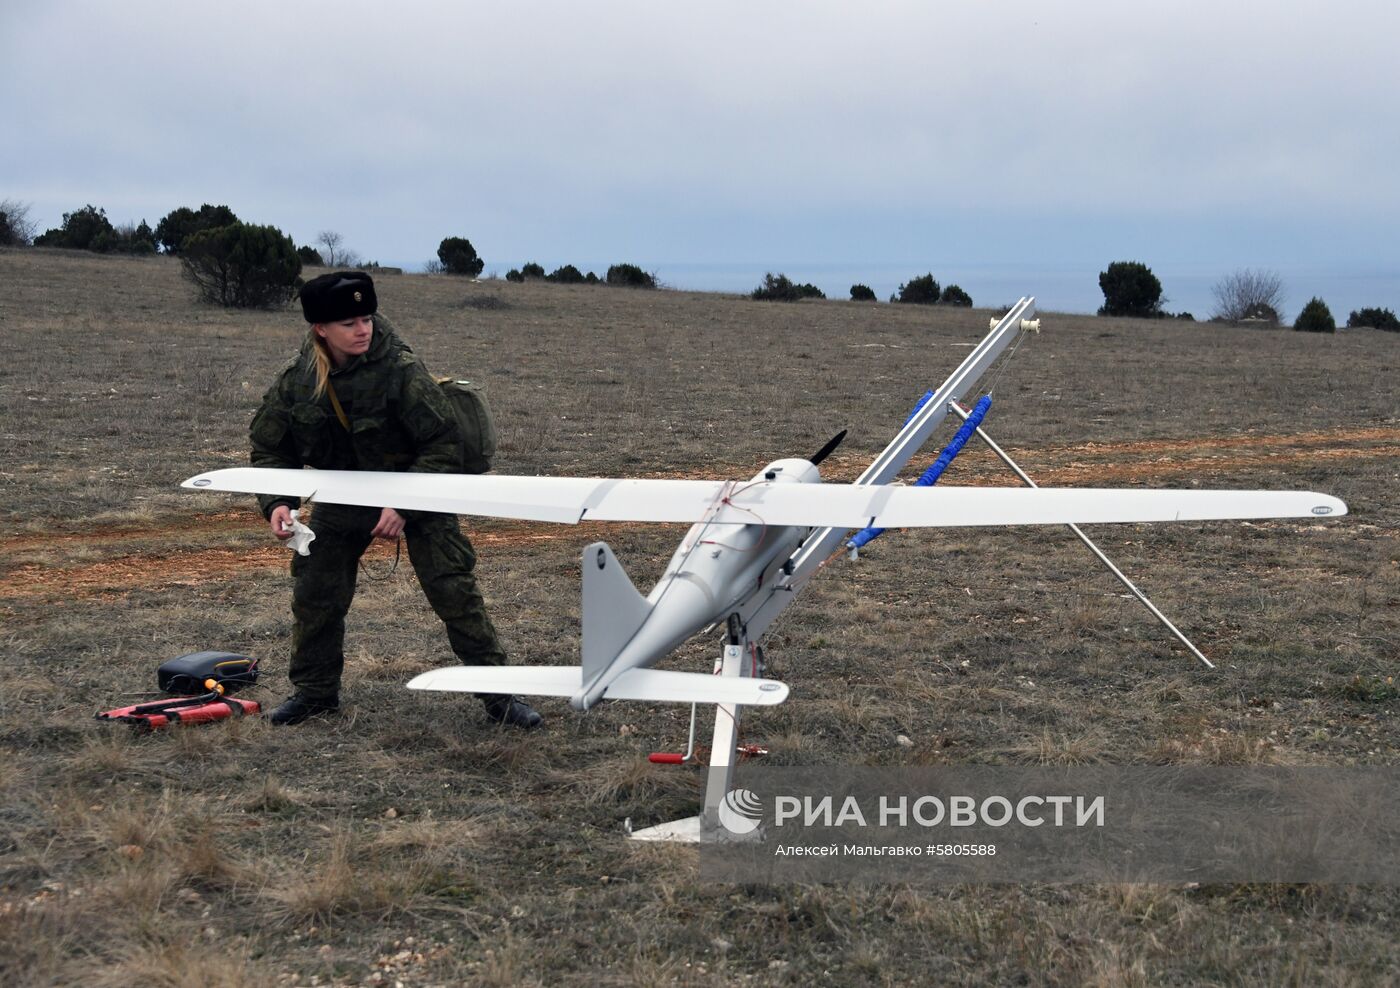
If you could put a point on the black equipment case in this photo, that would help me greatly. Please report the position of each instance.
(187, 675)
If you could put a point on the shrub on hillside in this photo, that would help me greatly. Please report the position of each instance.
(89, 229)
(515, 275)
(1374, 318)
(16, 228)
(1130, 289)
(862, 293)
(630, 276)
(922, 290)
(566, 275)
(458, 256)
(1315, 318)
(8, 235)
(131, 239)
(83, 229)
(592, 278)
(953, 295)
(1248, 295)
(780, 288)
(310, 257)
(532, 270)
(242, 266)
(179, 225)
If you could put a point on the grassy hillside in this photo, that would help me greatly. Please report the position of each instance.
(408, 841)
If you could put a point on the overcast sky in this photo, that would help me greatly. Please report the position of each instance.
(950, 136)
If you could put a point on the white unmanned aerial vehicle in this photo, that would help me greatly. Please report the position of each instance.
(751, 548)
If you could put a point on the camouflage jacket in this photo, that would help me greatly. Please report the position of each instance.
(399, 418)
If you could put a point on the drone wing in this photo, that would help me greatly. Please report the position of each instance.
(574, 499)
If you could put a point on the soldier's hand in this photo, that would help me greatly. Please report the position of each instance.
(281, 521)
(390, 525)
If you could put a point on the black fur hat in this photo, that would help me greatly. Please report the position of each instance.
(338, 296)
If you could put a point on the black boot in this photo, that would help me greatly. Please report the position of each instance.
(504, 709)
(299, 707)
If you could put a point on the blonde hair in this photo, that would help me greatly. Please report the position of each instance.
(323, 365)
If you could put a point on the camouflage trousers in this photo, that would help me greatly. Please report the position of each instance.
(324, 585)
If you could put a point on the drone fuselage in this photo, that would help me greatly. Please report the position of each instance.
(713, 573)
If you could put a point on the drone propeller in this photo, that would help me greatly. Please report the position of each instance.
(829, 448)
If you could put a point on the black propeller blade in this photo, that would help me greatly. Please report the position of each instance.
(829, 448)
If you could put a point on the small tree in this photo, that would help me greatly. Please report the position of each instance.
(83, 229)
(1315, 318)
(566, 275)
(515, 275)
(310, 257)
(330, 243)
(922, 290)
(953, 295)
(16, 228)
(1256, 296)
(1130, 289)
(862, 293)
(242, 266)
(458, 256)
(179, 225)
(531, 270)
(630, 276)
(1374, 318)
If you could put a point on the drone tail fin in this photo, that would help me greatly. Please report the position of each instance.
(613, 609)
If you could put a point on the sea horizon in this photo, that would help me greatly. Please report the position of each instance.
(1071, 289)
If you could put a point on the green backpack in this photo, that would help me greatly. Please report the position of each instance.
(473, 416)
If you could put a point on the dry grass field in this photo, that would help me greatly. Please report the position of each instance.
(409, 842)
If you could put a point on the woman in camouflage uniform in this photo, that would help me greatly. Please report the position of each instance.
(357, 398)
